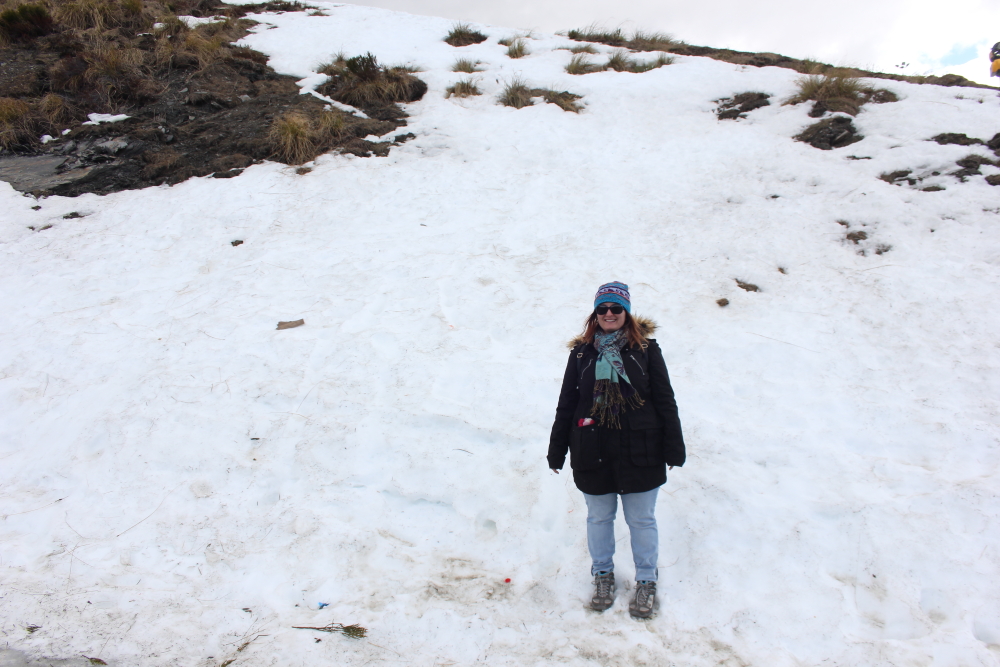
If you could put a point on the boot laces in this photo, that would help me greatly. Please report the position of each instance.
(604, 585)
(644, 593)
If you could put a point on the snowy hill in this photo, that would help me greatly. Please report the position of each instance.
(180, 480)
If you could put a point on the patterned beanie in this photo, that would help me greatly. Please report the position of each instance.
(615, 293)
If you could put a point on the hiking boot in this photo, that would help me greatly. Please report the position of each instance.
(641, 605)
(604, 591)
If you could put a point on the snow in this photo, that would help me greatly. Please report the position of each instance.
(98, 118)
(178, 477)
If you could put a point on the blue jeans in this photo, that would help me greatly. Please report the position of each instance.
(639, 509)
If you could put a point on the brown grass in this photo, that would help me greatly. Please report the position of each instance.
(292, 139)
(516, 94)
(463, 35)
(25, 22)
(16, 123)
(517, 49)
(620, 61)
(463, 88)
(640, 40)
(653, 41)
(103, 14)
(466, 65)
(362, 82)
(332, 123)
(56, 110)
(564, 100)
(580, 64)
(838, 90)
(594, 33)
(585, 48)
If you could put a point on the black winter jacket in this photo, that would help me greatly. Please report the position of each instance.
(632, 459)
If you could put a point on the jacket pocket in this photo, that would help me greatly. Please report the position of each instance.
(584, 448)
(646, 447)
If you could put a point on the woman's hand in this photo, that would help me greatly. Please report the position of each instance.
(554, 470)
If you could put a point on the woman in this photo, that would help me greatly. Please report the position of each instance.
(618, 419)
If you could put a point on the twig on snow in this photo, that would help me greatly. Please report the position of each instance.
(354, 631)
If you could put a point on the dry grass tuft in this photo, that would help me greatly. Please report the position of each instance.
(103, 14)
(517, 49)
(466, 65)
(291, 136)
(823, 87)
(25, 22)
(516, 94)
(594, 33)
(463, 88)
(620, 61)
(580, 64)
(463, 35)
(639, 41)
(332, 123)
(838, 90)
(362, 82)
(661, 60)
(653, 41)
(56, 110)
(586, 48)
(564, 100)
(16, 127)
(335, 66)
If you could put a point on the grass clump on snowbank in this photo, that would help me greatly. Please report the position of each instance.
(463, 35)
(362, 82)
(466, 65)
(837, 91)
(463, 88)
(639, 41)
(619, 61)
(517, 49)
(580, 64)
(517, 94)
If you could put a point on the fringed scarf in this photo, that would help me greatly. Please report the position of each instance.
(611, 397)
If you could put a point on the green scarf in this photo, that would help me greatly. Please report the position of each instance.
(612, 397)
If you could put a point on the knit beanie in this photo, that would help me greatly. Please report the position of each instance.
(613, 292)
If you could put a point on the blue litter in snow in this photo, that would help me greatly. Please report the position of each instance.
(324, 604)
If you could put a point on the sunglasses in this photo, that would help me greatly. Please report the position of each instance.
(603, 310)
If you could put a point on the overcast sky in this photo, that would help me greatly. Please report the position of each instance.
(930, 36)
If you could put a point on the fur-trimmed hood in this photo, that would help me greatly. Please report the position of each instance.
(646, 326)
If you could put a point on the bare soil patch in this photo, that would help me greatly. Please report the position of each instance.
(834, 132)
(740, 105)
(197, 106)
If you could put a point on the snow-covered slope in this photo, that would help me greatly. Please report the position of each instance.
(177, 477)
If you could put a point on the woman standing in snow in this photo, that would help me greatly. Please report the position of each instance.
(618, 419)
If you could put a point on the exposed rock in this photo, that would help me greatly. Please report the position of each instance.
(956, 138)
(739, 105)
(835, 132)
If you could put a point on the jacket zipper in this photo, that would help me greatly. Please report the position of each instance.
(589, 361)
(637, 364)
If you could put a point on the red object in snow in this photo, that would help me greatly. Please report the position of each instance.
(507, 580)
